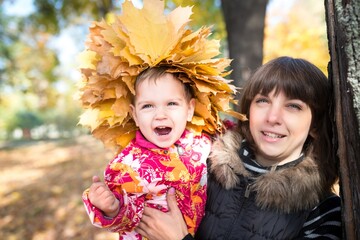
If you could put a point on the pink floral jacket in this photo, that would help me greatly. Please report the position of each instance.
(142, 173)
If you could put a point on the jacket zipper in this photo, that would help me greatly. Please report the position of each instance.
(247, 190)
(246, 194)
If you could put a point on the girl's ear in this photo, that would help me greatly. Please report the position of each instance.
(191, 109)
(133, 114)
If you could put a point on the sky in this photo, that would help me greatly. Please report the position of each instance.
(18, 7)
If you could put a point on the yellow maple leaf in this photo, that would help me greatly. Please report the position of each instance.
(87, 59)
(125, 137)
(198, 121)
(162, 32)
(121, 106)
(89, 118)
(236, 115)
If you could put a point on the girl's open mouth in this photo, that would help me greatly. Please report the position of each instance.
(160, 131)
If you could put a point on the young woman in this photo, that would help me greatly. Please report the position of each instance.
(273, 177)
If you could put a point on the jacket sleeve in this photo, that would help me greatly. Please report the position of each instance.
(324, 221)
(119, 176)
(96, 216)
(129, 216)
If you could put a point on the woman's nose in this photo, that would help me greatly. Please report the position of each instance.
(274, 115)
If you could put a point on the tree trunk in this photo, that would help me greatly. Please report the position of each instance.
(343, 24)
(26, 133)
(245, 21)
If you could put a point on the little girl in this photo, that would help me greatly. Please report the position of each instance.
(156, 90)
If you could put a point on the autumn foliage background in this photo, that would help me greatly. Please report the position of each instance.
(42, 179)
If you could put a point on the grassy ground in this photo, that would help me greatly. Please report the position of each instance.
(40, 189)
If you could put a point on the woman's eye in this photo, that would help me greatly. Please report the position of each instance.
(295, 106)
(261, 100)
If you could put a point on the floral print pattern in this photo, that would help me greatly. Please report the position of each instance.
(141, 175)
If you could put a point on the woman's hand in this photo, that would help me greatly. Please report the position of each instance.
(157, 225)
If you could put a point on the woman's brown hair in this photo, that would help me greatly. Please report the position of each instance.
(298, 79)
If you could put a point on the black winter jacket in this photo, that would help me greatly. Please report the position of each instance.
(233, 214)
(247, 201)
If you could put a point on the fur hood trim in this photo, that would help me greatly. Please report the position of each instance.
(288, 189)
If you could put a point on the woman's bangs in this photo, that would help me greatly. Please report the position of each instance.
(286, 82)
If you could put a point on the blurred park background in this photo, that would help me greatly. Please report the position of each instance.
(46, 159)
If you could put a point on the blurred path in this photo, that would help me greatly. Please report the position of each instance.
(41, 185)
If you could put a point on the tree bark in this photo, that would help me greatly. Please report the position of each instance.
(245, 22)
(343, 24)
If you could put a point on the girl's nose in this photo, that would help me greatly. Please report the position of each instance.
(160, 113)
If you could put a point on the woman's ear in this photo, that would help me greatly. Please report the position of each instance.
(191, 109)
(313, 133)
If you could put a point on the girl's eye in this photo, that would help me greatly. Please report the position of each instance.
(145, 106)
(172, 104)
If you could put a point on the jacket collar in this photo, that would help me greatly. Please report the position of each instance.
(292, 187)
(254, 167)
